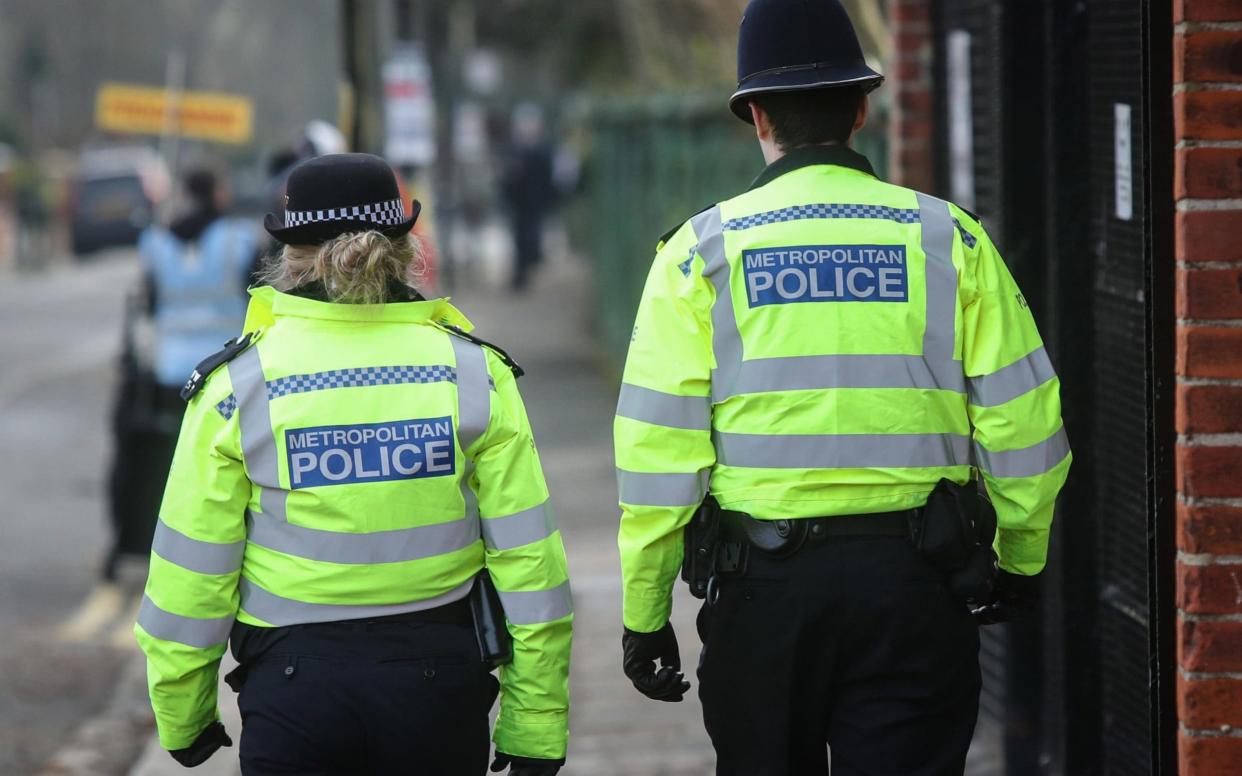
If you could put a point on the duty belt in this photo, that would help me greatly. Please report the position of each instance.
(784, 537)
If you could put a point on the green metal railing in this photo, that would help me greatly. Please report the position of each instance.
(649, 166)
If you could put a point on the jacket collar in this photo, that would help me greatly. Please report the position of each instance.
(840, 155)
(278, 305)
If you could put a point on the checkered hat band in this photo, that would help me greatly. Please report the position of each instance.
(388, 213)
(901, 215)
(349, 378)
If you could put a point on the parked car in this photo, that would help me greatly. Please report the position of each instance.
(112, 198)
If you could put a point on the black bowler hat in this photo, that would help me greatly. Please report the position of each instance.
(331, 195)
(795, 45)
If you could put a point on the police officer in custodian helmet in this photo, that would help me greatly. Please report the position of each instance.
(350, 473)
(820, 369)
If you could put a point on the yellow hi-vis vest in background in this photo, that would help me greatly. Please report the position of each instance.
(356, 461)
(829, 344)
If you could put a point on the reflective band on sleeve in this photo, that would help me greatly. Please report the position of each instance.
(1008, 383)
(726, 338)
(797, 373)
(258, 441)
(662, 490)
(278, 610)
(664, 409)
(520, 529)
(1039, 458)
(191, 631)
(842, 451)
(529, 607)
(362, 548)
(195, 555)
(473, 391)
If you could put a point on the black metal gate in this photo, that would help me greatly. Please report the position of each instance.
(1060, 161)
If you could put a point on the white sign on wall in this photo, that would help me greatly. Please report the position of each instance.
(1123, 169)
(961, 121)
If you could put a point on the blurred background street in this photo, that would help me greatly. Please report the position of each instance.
(550, 145)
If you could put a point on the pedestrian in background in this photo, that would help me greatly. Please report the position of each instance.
(832, 359)
(344, 474)
(194, 277)
(528, 190)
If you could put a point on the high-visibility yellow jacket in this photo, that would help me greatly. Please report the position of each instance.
(824, 344)
(355, 461)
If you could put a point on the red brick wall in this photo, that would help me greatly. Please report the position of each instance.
(910, 80)
(1207, 75)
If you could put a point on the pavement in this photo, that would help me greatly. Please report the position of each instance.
(72, 697)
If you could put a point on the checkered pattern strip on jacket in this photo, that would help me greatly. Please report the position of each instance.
(387, 213)
(803, 212)
(348, 378)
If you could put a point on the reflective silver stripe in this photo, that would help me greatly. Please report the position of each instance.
(194, 554)
(795, 373)
(278, 610)
(473, 391)
(517, 530)
(664, 409)
(528, 607)
(662, 490)
(258, 441)
(424, 541)
(726, 338)
(1008, 383)
(191, 631)
(1039, 458)
(842, 451)
(937, 243)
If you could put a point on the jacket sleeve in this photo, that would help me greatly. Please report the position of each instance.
(526, 560)
(662, 431)
(191, 594)
(1014, 404)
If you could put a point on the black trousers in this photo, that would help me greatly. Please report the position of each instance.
(854, 643)
(368, 698)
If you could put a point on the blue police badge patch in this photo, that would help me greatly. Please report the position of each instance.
(826, 273)
(370, 452)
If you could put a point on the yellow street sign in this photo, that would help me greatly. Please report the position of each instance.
(215, 116)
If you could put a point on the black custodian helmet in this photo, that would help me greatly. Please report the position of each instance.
(794, 45)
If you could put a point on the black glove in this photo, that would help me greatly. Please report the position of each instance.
(525, 766)
(1013, 596)
(641, 650)
(212, 738)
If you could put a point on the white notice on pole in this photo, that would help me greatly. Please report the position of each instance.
(1123, 169)
(961, 121)
(409, 109)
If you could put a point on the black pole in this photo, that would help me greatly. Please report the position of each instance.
(360, 54)
(1158, 160)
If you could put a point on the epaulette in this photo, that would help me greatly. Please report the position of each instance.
(508, 361)
(231, 350)
(976, 218)
(669, 234)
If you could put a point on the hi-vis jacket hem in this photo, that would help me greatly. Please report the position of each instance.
(338, 471)
(823, 344)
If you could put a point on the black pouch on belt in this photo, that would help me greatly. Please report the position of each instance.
(702, 539)
(954, 533)
(495, 643)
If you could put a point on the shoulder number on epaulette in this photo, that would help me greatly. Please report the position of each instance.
(231, 350)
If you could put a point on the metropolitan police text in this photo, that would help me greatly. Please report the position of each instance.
(825, 273)
(370, 452)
